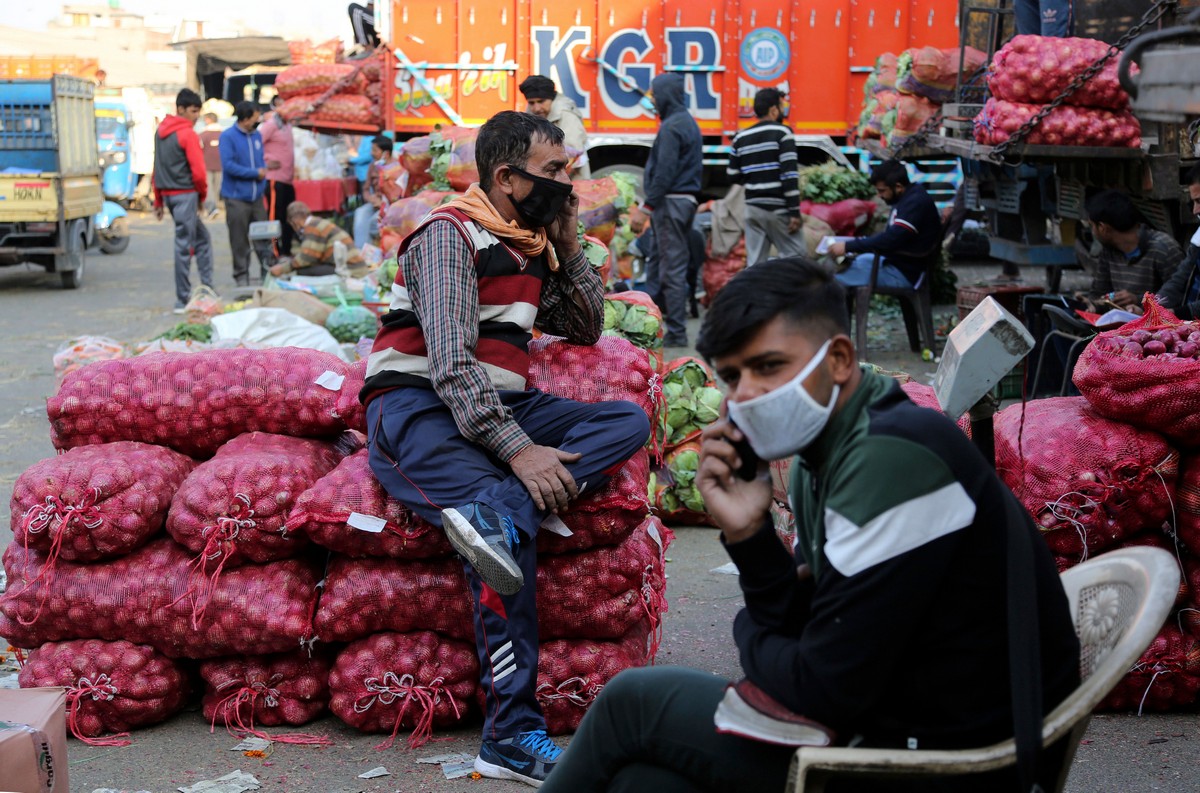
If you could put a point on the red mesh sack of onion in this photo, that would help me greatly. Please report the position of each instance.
(625, 586)
(611, 369)
(250, 692)
(1166, 677)
(233, 509)
(606, 516)
(1187, 517)
(394, 680)
(924, 396)
(364, 596)
(96, 502)
(195, 402)
(112, 687)
(1036, 69)
(349, 512)
(144, 598)
(573, 672)
(1146, 373)
(1088, 482)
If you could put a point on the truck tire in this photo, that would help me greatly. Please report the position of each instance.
(636, 171)
(70, 266)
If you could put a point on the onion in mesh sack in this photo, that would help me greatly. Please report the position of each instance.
(365, 596)
(609, 370)
(1087, 481)
(233, 508)
(195, 402)
(143, 598)
(348, 511)
(1166, 677)
(112, 687)
(573, 672)
(246, 693)
(607, 516)
(393, 680)
(96, 502)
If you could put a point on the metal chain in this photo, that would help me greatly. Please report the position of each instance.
(919, 137)
(1152, 15)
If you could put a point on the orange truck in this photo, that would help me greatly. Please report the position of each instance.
(460, 61)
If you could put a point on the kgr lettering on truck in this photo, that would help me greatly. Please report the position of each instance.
(696, 49)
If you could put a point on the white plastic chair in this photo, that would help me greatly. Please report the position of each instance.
(1119, 601)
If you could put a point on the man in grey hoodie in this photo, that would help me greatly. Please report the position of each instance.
(672, 182)
(543, 99)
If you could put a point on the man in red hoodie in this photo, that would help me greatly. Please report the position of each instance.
(181, 185)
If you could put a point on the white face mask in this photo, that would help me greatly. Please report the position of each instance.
(784, 421)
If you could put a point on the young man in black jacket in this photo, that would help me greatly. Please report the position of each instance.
(890, 624)
(1181, 292)
(672, 182)
(913, 232)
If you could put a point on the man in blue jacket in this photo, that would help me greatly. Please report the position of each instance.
(672, 182)
(913, 232)
(243, 185)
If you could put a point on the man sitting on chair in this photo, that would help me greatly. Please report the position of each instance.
(914, 230)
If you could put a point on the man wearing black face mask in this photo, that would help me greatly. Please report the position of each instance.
(454, 432)
(914, 230)
(243, 184)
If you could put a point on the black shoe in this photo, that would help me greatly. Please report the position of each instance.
(486, 539)
(694, 309)
(528, 758)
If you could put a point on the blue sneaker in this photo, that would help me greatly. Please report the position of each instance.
(486, 539)
(528, 758)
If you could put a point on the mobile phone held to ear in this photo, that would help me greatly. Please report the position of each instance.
(749, 467)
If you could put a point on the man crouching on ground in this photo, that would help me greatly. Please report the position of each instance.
(456, 434)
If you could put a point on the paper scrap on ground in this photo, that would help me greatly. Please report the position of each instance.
(252, 745)
(729, 568)
(438, 759)
(458, 770)
(233, 782)
(375, 772)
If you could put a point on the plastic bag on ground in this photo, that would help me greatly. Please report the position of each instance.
(274, 326)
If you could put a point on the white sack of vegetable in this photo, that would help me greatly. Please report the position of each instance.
(274, 327)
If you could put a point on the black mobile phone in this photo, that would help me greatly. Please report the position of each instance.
(749, 467)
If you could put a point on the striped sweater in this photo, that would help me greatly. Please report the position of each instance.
(900, 635)
(764, 162)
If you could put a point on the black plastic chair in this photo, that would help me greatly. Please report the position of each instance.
(1071, 329)
(916, 304)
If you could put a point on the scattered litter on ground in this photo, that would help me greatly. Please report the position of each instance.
(458, 770)
(729, 568)
(252, 745)
(438, 759)
(233, 782)
(378, 771)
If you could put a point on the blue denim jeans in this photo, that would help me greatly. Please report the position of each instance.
(859, 274)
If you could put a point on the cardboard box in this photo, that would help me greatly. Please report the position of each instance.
(33, 740)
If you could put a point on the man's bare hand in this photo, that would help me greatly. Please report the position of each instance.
(837, 249)
(638, 220)
(794, 225)
(1126, 300)
(158, 213)
(738, 507)
(277, 269)
(564, 231)
(543, 472)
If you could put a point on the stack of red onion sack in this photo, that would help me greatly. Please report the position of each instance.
(332, 93)
(1029, 72)
(1118, 467)
(202, 499)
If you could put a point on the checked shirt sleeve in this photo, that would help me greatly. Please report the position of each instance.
(572, 302)
(439, 273)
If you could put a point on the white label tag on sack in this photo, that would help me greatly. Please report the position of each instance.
(652, 530)
(362, 522)
(331, 380)
(553, 524)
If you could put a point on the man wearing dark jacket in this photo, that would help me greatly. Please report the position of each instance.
(890, 625)
(914, 231)
(181, 186)
(243, 185)
(1181, 292)
(672, 182)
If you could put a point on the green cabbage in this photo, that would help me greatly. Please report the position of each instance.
(633, 322)
(626, 190)
(692, 403)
